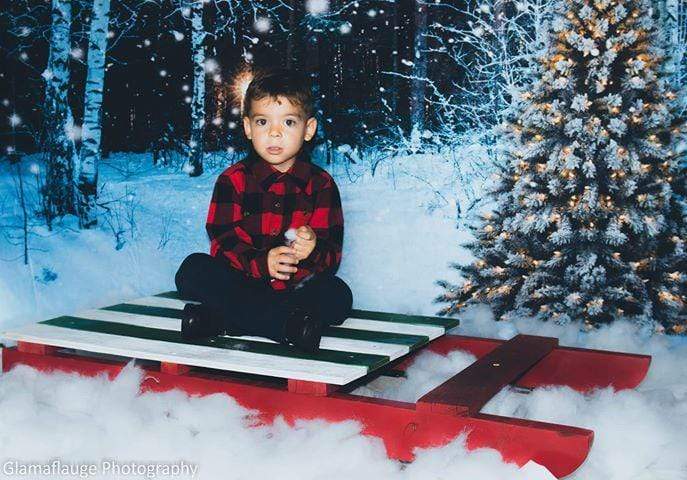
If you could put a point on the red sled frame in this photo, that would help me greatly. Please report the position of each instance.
(435, 420)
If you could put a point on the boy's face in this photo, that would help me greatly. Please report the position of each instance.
(278, 129)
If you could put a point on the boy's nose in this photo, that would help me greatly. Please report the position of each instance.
(274, 132)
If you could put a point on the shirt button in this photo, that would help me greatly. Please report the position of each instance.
(274, 231)
(277, 204)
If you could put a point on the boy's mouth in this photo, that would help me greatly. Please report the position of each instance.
(274, 150)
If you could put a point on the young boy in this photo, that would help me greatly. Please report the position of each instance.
(254, 282)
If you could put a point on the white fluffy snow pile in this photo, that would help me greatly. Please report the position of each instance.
(400, 236)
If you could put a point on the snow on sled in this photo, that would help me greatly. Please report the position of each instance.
(278, 380)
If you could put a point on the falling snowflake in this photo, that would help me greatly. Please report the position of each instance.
(10, 150)
(232, 125)
(407, 63)
(372, 13)
(345, 28)
(178, 36)
(188, 168)
(187, 99)
(146, 42)
(24, 56)
(34, 168)
(74, 132)
(316, 7)
(110, 34)
(185, 87)
(248, 56)
(484, 8)
(210, 65)
(163, 73)
(15, 120)
(262, 24)
(217, 121)
(6, 102)
(76, 53)
(235, 111)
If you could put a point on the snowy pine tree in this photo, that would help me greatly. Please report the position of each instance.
(589, 223)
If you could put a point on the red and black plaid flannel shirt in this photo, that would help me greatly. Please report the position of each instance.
(253, 205)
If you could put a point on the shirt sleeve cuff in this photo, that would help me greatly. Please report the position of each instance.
(261, 265)
(314, 258)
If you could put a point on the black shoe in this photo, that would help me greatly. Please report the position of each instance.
(196, 322)
(233, 331)
(303, 331)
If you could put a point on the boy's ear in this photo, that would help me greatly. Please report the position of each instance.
(246, 127)
(310, 128)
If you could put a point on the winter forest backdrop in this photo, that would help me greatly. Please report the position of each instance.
(117, 116)
(92, 83)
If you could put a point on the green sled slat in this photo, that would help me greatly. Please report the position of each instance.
(171, 336)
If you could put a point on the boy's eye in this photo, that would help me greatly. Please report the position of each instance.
(290, 122)
(261, 121)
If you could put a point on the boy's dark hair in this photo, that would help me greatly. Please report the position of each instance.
(280, 82)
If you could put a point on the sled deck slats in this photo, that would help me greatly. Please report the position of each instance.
(432, 324)
(170, 320)
(149, 328)
(468, 391)
(192, 354)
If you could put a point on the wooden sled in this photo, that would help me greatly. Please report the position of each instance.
(278, 380)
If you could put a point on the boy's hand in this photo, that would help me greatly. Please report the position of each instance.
(281, 262)
(305, 242)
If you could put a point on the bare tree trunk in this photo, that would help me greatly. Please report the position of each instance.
(59, 186)
(92, 124)
(417, 99)
(198, 103)
(394, 59)
(291, 59)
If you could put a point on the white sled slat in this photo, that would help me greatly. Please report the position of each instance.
(188, 354)
(166, 323)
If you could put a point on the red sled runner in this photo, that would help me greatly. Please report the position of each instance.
(278, 380)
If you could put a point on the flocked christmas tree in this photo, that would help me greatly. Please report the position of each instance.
(589, 223)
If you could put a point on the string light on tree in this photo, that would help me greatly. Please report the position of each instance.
(611, 182)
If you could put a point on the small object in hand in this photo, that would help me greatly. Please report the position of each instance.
(290, 237)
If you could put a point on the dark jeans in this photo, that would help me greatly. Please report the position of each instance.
(252, 306)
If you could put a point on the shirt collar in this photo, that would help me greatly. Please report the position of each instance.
(266, 174)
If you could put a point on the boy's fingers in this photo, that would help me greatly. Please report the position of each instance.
(287, 259)
(305, 235)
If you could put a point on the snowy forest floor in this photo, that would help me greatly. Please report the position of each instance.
(400, 235)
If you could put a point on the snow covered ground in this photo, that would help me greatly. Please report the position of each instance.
(400, 237)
